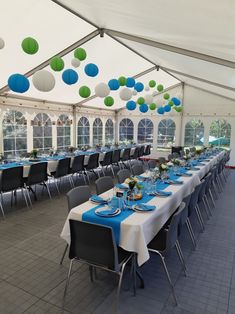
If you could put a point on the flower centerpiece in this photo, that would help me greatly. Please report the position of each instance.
(132, 183)
(34, 153)
(176, 162)
(163, 167)
(71, 149)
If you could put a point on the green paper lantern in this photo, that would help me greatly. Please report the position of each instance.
(122, 80)
(140, 100)
(171, 103)
(80, 54)
(108, 101)
(178, 109)
(152, 106)
(30, 45)
(84, 91)
(152, 83)
(57, 64)
(166, 96)
(160, 87)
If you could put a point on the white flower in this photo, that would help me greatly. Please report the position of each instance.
(163, 166)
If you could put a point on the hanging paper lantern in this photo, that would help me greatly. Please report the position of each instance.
(134, 92)
(18, 83)
(152, 106)
(167, 108)
(70, 76)
(108, 101)
(147, 88)
(130, 82)
(170, 102)
(152, 83)
(148, 99)
(160, 87)
(125, 93)
(80, 54)
(113, 84)
(160, 110)
(122, 80)
(176, 101)
(178, 109)
(57, 64)
(84, 91)
(30, 45)
(102, 90)
(139, 87)
(91, 69)
(43, 81)
(130, 105)
(143, 108)
(166, 96)
(75, 62)
(140, 100)
(2, 43)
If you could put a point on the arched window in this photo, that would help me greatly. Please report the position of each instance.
(63, 132)
(109, 133)
(126, 130)
(220, 133)
(166, 133)
(14, 133)
(42, 132)
(145, 131)
(97, 132)
(83, 132)
(194, 133)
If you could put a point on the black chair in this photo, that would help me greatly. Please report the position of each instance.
(62, 170)
(123, 174)
(126, 157)
(95, 245)
(135, 154)
(202, 198)
(152, 163)
(146, 150)
(11, 181)
(175, 155)
(170, 157)
(93, 163)
(116, 156)
(76, 197)
(77, 167)
(104, 184)
(137, 170)
(161, 160)
(165, 240)
(193, 205)
(37, 175)
(107, 161)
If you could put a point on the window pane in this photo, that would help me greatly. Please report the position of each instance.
(166, 133)
(194, 133)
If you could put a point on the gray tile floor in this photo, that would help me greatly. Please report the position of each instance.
(32, 281)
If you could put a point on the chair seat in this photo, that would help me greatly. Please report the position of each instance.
(159, 241)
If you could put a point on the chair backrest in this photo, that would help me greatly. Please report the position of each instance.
(123, 174)
(175, 155)
(161, 160)
(77, 196)
(107, 158)
(78, 163)
(142, 150)
(11, 179)
(126, 154)
(94, 244)
(62, 168)
(37, 173)
(104, 184)
(184, 214)
(208, 180)
(93, 161)
(194, 198)
(147, 150)
(116, 155)
(152, 163)
(172, 234)
(202, 190)
(137, 170)
(136, 153)
(170, 156)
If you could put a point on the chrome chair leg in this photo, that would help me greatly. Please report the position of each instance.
(181, 257)
(199, 218)
(206, 209)
(208, 205)
(212, 198)
(119, 286)
(112, 171)
(25, 198)
(48, 189)
(57, 187)
(28, 194)
(2, 210)
(67, 282)
(65, 250)
(191, 233)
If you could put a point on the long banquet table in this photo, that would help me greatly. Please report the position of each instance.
(137, 230)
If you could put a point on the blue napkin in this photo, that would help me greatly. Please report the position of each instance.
(97, 199)
(145, 207)
(122, 186)
(173, 181)
(185, 174)
(141, 177)
(163, 193)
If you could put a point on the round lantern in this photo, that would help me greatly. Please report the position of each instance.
(160, 110)
(130, 82)
(134, 92)
(160, 87)
(139, 87)
(122, 80)
(152, 83)
(18, 83)
(84, 91)
(57, 64)
(140, 100)
(2, 43)
(30, 45)
(170, 102)
(108, 101)
(70, 76)
(143, 108)
(113, 84)
(125, 93)
(148, 99)
(178, 109)
(75, 62)
(102, 90)
(43, 81)
(166, 96)
(176, 101)
(91, 69)
(152, 106)
(130, 105)
(80, 54)
(167, 108)
(147, 88)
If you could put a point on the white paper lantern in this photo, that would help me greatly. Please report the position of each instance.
(2, 43)
(75, 62)
(44, 81)
(148, 99)
(102, 90)
(147, 88)
(134, 92)
(125, 94)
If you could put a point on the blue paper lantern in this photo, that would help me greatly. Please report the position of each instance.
(176, 101)
(113, 84)
(70, 76)
(167, 108)
(143, 108)
(130, 82)
(131, 105)
(91, 69)
(160, 110)
(18, 83)
(139, 87)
